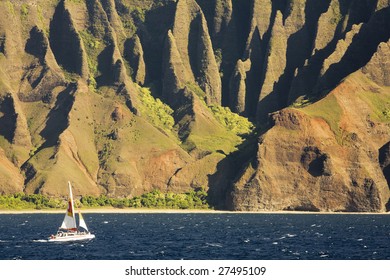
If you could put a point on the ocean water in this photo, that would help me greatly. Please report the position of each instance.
(201, 237)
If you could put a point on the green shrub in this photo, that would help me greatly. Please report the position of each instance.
(233, 122)
(24, 10)
(158, 113)
(93, 47)
(195, 199)
(197, 90)
(138, 14)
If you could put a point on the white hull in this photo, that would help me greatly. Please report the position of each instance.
(72, 237)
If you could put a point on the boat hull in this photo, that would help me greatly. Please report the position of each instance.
(70, 238)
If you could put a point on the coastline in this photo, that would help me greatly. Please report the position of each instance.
(177, 211)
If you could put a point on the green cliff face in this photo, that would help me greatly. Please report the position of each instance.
(123, 97)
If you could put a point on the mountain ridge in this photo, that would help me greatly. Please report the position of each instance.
(268, 105)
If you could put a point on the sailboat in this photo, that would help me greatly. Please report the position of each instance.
(69, 230)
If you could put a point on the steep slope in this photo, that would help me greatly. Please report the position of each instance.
(126, 96)
(323, 157)
(74, 113)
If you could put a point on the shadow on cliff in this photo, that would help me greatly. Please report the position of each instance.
(384, 161)
(8, 118)
(228, 170)
(64, 41)
(361, 50)
(153, 35)
(58, 118)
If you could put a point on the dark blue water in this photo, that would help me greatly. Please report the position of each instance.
(201, 236)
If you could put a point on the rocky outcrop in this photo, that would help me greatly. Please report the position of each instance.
(273, 68)
(238, 86)
(175, 75)
(363, 45)
(309, 162)
(41, 78)
(135, 56)
(328, 23)
(195, 49)
(378, 67)
(384, 160)
(66, 42)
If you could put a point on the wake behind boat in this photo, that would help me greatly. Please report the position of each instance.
(69, 230)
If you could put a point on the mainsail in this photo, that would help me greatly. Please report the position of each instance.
(69, 222)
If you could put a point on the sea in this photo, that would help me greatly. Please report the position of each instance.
(201, 236)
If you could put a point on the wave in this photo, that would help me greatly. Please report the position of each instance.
(41, 240)
(289, 235)
(214, 245)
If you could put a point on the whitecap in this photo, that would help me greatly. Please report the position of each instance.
(287, 235)
(275, 243)
(360, 239)
(214, 245)
(323, 254)
(247, 240)
(41, 240)
(105, 222)
(290, 235)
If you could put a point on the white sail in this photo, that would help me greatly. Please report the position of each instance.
(70, 218)
(82, 222)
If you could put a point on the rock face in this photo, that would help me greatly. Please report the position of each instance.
(135, 57)
(309, 161)
(123, 97)
(384, 160)
(379, 66)
(238, 86)
(195, 49)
